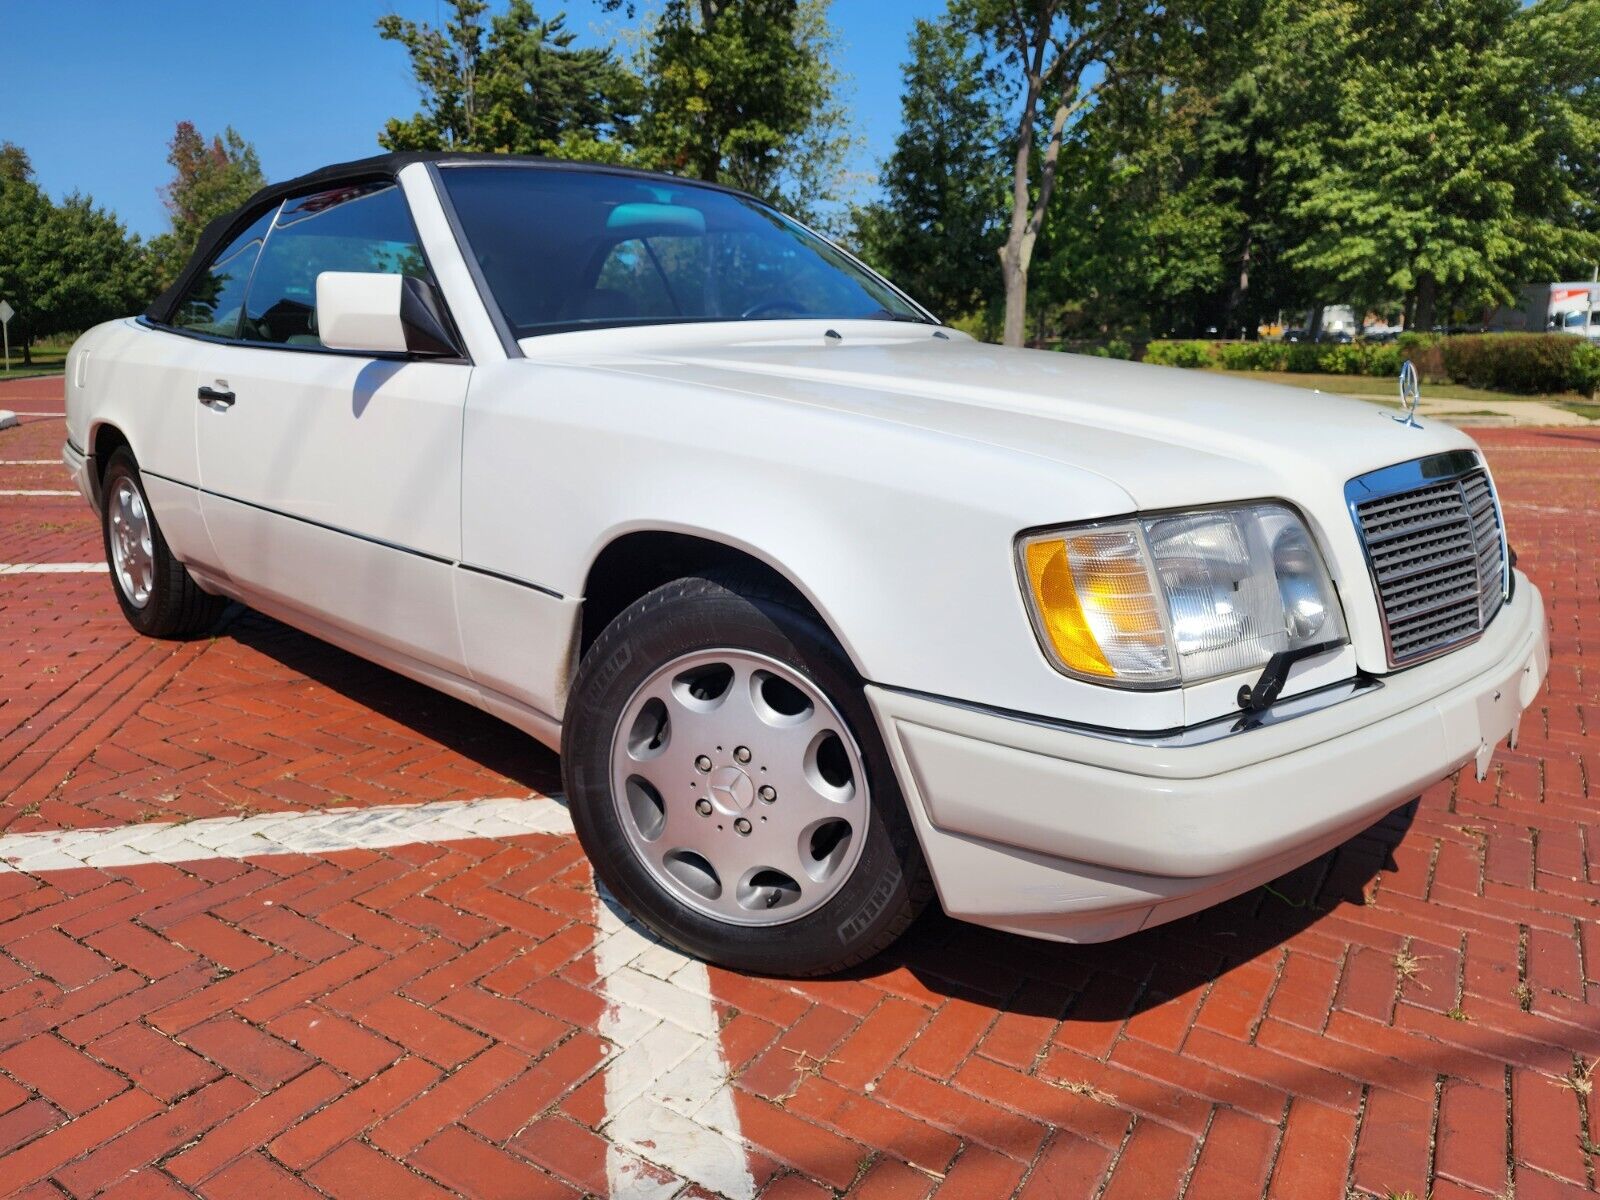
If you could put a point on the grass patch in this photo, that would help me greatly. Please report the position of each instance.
(1375, 388)
(48, 359)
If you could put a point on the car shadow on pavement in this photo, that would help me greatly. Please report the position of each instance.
(1108, 982)
(457, 726)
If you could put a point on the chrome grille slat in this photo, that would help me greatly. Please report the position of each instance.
(1435, 549)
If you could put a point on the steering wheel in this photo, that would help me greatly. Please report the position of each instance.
(766, 306)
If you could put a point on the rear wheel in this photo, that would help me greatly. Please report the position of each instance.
(155, 590)
(728, 782)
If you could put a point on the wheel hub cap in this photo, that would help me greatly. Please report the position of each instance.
(739, 787)
(132, 540)
(731, 790)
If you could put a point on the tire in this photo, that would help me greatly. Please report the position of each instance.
(670, 648)
(156, 592)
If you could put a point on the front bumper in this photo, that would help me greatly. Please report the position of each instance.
(1056, 832)
(81, 468)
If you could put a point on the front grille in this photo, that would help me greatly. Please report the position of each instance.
(1435, 549)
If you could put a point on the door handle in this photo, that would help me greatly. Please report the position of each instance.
(216, 398)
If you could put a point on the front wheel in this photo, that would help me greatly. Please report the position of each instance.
(155, 591)
(728, 783)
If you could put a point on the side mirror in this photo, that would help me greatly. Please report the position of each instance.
(381, 314)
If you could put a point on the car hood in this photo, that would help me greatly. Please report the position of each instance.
(1167, 437)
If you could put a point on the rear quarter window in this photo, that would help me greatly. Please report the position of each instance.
(214, 304)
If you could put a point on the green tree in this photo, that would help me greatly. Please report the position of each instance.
(742, 92)
(1062, 57)
(938, 227)
(209, 178)
(1453, 175)
(514, 84)
(14, 162)
(63, 267)
(1177, 217)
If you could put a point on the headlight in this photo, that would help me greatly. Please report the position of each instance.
(1180, 598)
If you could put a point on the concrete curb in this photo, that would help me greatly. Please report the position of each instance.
(8, 418)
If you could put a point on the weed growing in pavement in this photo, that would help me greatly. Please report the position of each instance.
(1581, 1078)
(805, 1064)
(1406, 966)
(1277, 895)
(1082, 1087)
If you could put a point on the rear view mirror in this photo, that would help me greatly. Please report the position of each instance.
(381, 314)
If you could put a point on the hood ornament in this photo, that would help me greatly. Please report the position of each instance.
(1410, 394)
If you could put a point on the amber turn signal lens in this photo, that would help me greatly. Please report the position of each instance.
(1096, 605)
(1060, 612)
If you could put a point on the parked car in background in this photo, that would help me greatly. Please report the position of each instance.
(827, 606)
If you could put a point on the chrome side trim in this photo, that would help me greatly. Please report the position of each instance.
(360, 537)
(1230, 725)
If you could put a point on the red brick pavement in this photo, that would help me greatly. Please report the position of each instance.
(1410, 1014)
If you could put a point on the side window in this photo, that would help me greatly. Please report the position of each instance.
(359, 228)
(216, 301)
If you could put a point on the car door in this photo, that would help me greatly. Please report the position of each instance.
(158, 368)
(331, 481)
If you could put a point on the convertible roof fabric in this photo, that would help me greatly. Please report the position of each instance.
(379, 166)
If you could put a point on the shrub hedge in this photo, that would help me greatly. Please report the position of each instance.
(1530, 363)
(1355, 359)
(1514, 362)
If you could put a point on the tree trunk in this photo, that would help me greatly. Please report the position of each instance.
(1427, 294)
(1015, 275)
(27, 352)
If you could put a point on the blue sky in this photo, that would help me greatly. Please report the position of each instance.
(92, 89)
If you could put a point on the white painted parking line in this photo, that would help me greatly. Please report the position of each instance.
(668, 1098)
(58, 416)
(30, 462)
(52, 568)
(322, 831)
(35, 492)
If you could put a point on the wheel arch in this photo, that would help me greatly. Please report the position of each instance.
(105, 439)
(636, 562)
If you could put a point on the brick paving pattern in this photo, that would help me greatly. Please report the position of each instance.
(1410, 1014)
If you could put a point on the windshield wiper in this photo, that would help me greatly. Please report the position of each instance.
(883, 314)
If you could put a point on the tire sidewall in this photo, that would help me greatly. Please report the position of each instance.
(146, 619)
(697, 615)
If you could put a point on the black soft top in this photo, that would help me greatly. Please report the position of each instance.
(380, 166)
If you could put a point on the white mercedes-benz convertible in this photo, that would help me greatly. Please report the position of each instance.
(826, 606)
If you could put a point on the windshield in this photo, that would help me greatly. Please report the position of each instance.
(572, 249)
